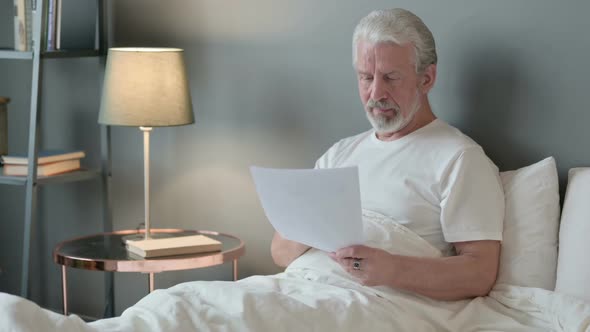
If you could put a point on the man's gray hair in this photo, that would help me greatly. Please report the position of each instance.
(398, 26)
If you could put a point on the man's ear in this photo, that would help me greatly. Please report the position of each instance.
(428, 78)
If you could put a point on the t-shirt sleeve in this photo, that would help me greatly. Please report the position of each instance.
(327, 159)
(472, 206)
(322, 162)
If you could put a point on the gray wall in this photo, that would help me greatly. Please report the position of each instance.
(273, 85)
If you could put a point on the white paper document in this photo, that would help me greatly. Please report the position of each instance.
(320, 208)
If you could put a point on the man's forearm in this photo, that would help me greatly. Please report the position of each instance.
(284, 251)
(448, 278)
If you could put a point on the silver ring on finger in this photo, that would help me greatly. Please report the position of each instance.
(356, 264)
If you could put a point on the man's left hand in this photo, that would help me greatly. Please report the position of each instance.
(370, 266)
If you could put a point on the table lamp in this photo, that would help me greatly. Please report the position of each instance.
(145, 88)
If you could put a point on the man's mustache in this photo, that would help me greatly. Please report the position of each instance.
(384, 105)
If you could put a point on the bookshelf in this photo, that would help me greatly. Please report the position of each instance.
(10, 54)
(31, 182)
(80, 175)
(70, 54)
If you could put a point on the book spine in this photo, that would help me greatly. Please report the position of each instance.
(20, 43)
(42, 170)
(58, 24)
(42, 160)
(28, 25)
(44, 19)
(50, 33)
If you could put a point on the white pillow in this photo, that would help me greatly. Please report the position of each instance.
(573, 268)
(529, 247)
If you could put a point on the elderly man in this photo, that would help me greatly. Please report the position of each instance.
(416, 169)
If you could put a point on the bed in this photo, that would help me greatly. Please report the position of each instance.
(538, 288)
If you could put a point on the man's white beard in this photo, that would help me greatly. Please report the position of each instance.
(385, 124)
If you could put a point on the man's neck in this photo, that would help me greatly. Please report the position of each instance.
(422, 118)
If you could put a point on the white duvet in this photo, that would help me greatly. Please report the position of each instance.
(315, 294)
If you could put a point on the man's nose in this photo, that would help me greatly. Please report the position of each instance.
(379, 92)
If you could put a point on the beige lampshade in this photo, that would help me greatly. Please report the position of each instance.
(145, 87)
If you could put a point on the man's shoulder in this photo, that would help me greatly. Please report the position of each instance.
(445, 135)
(341, 149)
(443, 144)
(352, 140)
(449, 144)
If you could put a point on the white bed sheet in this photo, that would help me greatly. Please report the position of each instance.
(314, 294)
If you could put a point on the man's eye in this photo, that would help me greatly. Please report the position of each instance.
(389, 78)
(367, 78)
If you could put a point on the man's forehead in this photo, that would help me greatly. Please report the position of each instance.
(389, 54)
(386, 45)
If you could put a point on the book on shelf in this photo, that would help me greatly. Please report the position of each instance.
(49, 169)
(44, 157)
(23, 25)
(76, 25)
(192, 244)
(66, 25)
(50, 15)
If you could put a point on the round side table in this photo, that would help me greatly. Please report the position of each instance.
(106, 252)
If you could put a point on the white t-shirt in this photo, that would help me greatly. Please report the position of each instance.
(436, 181)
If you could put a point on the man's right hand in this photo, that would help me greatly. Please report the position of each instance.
(285, 251)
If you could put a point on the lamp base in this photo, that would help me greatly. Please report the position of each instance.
(141, 236)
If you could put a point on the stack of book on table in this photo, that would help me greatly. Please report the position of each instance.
(48, 163)
(181, 245)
